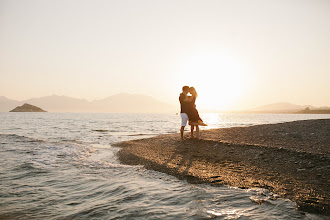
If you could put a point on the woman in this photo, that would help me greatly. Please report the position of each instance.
(194, 118)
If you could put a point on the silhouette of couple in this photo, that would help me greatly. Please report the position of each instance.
(189, 111)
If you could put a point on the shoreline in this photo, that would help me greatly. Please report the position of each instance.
(289, 159)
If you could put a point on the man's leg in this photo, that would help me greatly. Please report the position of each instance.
(181, 131)
(184, 119)
(197, 131)
(192, 131)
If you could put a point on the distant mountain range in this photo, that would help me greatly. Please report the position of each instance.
(117, 103)
(283, 107)
(133, 103)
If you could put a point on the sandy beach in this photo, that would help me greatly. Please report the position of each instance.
(291, 160)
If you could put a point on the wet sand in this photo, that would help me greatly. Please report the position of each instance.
(289, 159)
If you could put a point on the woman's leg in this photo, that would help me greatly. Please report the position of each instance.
(197, 131)
(192, 131)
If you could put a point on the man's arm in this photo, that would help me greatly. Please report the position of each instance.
(188, 99)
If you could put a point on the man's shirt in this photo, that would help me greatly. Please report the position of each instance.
(184, 105)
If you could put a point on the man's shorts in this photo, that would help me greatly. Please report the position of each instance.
(184, 119)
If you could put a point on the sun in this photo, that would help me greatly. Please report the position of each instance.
(218, 80)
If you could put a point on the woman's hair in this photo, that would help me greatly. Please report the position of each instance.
(192, 90)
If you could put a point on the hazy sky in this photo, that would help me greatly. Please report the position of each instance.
(237, 53)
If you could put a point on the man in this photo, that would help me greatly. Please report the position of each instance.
(185, 107)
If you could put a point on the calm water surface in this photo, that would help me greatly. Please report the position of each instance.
(63, 166)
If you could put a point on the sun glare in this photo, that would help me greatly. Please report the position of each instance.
(217, 79)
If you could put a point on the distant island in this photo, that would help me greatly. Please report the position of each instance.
(315, 111)
(288, 108)
(27, 108)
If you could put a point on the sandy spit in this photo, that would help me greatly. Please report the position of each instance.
(290, 159)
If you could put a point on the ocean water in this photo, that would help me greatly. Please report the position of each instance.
(63, 166)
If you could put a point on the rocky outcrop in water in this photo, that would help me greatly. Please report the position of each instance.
(27, 108)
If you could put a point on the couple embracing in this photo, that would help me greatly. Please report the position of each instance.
(189, 111)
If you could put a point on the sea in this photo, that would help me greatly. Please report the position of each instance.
(64, 166)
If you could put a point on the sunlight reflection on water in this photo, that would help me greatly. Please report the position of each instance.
(224, 120)
(231, 214)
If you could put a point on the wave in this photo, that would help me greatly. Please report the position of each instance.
(40, 154)
(22, 138)
(101, 130)
(101, 164)
(106, 130)
(141, 134)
